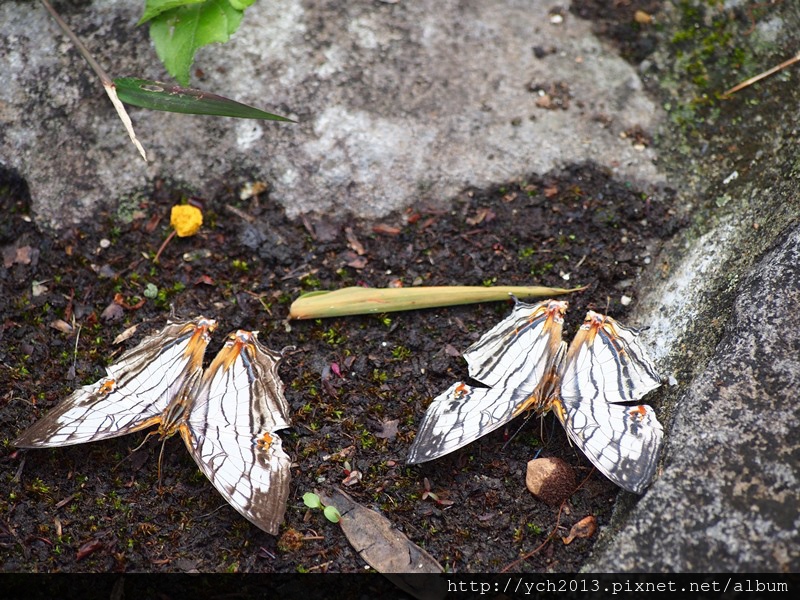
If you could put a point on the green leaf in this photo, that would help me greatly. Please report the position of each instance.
(157, 95)
(241, 4)
(332, 514)
(311, 500)
(361, 300)
(153, 8)
(179, 32)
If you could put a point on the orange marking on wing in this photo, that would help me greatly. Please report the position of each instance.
(526, 405)
(232, 348)
(107, 387)
(638, 413)
(265, 441)
(558, 408)
(610, 327)
(461, 391)
(197, 345)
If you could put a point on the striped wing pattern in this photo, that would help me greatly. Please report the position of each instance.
(134, 393)
(227, 415)
(231, 430)
(522, 342)
(590, 386)
(606, 366)
(502, 360)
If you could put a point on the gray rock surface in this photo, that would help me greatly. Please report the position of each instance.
(410, 102)
(397, 103)
(728, 497)
(721, 304)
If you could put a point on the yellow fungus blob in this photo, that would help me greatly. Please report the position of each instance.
(186, 219)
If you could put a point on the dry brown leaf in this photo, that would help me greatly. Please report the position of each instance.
(354, 261)
(112, 312)
(352, 478)
(352, 241)
(481, 215)
(61, 326)
(550, 191)
(23, 255)
(88, 548)
(204, 279)
(382, 228)
(584, 528)
(342, 454)
(125, 334)
(386, 549)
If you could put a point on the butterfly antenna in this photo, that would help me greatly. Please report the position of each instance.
(161, 456)
(513, 435)
(541, 428)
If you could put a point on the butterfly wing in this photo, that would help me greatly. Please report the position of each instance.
(606, 366)
(524, 341)
(230, 430)
(132, 396)
(512, 358)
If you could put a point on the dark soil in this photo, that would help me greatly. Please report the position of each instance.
(98, 507)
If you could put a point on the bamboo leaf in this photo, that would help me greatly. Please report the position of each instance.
(361, 300)
(157, 95)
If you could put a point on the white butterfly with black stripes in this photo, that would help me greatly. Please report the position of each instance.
(591, 387)
(227, 415)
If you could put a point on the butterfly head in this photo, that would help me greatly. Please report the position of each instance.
(594, 322)
(555, 311)
(201, 329)
(207, 326)
(244, 337)
(595, 319)
(241, 338)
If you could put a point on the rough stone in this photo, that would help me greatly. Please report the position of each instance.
(720, 306)
(728, 496)
(550, 479)
(396, 103)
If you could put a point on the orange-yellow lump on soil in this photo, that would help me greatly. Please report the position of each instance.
(186, 219)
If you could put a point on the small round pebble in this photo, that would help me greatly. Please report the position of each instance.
(550, 480)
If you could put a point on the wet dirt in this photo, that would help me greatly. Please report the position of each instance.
(357, 386)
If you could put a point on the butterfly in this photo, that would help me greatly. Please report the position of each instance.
(591, 387)
(227, 415)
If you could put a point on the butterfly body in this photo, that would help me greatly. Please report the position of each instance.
(589, 385)
(219, 413)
